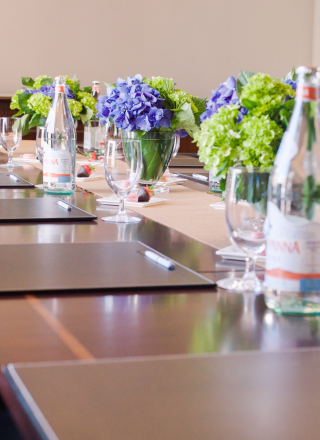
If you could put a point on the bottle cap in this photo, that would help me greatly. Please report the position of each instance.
(306, 69)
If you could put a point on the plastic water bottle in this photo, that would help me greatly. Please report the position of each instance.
(59, 152)
(293, 218)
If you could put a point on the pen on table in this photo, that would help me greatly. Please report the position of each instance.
(64, 205)
(15, 178)
(164, 262)
(200, 176)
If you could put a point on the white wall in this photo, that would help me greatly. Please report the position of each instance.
(199, 43)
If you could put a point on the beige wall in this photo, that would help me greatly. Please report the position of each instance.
(198, 43)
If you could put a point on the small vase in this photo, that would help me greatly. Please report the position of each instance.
(157, 148)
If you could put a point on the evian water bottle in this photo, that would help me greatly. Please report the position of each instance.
(59, 150)
(96, 89)
(293, 226)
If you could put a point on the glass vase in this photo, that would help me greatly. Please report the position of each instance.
(157, 148)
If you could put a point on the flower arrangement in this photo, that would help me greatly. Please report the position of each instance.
(244, 122)
(34, 100)
(141, 104)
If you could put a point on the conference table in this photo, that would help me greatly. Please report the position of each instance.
(100, 329)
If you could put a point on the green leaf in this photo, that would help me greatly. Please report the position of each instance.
(27, 81)
(86, 89)
(200, 103)
(76, 81)
(42, 121)
(184, 120)
(23, 98)
(20, 112)
(46, 82)
(86, 114)
(34, 120)
(113, 86)
(247, 103)
(243, 79)
(291, 75)
(24, 124)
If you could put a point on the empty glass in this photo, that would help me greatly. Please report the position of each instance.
(40, 143)
(10, 138)
(122, 169)
(246, 207)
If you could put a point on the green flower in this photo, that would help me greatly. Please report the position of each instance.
(88, 100)
(75, 107)
(37, 81)
(180, 97)
(14, 100)
(219, 140)
(262, 93)
(163, 85)
(40, 104)
(260, 139)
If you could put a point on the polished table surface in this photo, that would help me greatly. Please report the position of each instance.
(94, 325)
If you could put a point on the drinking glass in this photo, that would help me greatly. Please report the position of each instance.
(10, 138)
(246, 207)
(122, 170)
(40, 143)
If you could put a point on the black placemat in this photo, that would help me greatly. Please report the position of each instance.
(7, 182)
(76, 266)
(186, 161)
(39, 209)
(241, 396)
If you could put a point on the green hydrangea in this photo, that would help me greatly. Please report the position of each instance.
(163, 85)
(179, 97)
(219, 139)
(88, 100)
(75, 107)
(70, 82)
(260, 139)
(262, 93)
(14, 100)
(40, 104)
(37, 81)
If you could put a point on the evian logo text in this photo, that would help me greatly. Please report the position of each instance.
(284, 246)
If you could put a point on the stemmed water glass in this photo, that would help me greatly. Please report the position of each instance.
(246, 207)
(40, 143)
(122, 169)
(10, 138)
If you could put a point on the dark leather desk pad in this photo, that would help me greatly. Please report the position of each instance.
(6, 182)
(39, 209)
(244, 396)
(77, 266)
(186, 161)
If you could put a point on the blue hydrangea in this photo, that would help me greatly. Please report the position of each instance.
(49, 91)
(133, 105)
(291, 83)
(224, 95)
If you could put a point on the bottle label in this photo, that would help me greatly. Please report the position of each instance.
(96, 88)
(59, 89)
(87, 140)
(56, 165)
(292, 252)
(306, 93)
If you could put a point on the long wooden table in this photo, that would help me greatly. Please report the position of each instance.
(93, 325)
